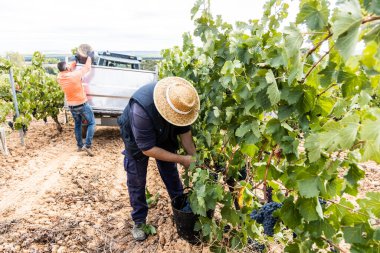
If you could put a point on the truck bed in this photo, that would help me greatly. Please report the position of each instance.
(109, 89)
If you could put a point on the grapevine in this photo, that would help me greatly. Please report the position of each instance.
(265, 216)
(282, 100)
(39, 95)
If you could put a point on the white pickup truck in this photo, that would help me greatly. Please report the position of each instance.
(110, 85)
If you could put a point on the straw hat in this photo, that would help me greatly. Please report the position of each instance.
(83, 49)
(176, 100)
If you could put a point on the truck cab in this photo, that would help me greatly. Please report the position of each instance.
(118, 60)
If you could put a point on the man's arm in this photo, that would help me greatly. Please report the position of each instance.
(188, 143)
(86, 68)
(164, 155)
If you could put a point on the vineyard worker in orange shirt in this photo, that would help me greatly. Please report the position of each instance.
(70, 81)
(156, 115)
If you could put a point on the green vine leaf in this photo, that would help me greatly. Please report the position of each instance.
(308, 185)
(314, 13)
(354, 234)
(353, 176)
(249, 149)
(372, 6)
(310, 209)
(294, 40)
(149, 229)
(243, 129)
(289, 214)
(273, 92)
(230, 215)
(266, 87)
(370, 135)
(345, 28)
(353, 83)
(371, 203)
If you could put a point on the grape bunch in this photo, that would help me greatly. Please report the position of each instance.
(226, 228)
(242, 175)
(218, 169)
(214, 176)
(255, 245)
(264, 216)
(322, 202)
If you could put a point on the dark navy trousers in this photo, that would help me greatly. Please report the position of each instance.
(136, 182)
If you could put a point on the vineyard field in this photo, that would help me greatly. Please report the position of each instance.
(81, 204)
(287, 143)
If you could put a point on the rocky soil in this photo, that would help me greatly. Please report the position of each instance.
(55, 199)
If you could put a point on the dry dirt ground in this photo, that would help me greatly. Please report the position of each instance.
(55, 199)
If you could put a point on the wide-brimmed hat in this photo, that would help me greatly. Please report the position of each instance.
(83, 49)
(176, 100)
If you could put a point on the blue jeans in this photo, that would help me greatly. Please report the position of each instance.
(80, 113)
(136, 182)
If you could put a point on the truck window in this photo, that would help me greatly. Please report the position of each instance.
(109, 63)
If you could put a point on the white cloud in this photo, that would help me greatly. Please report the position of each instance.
(115, 25)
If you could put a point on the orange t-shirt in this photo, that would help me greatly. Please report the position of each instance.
(71, 83)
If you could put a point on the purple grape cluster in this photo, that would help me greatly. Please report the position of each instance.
(214, 176)
(219, 168)
(255, 245)
(264, 216)
(322, 202)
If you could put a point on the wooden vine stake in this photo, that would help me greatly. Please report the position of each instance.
(11, 80)
(3, 141)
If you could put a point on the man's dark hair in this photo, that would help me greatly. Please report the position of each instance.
(61, 66)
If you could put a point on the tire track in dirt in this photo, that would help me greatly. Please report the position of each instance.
(37, 176)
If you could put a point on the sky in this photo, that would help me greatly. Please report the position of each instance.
(115, 25)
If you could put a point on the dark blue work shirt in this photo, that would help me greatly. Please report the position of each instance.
(144, 133)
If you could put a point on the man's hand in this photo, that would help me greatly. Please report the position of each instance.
(187, 160)
(164, 155)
